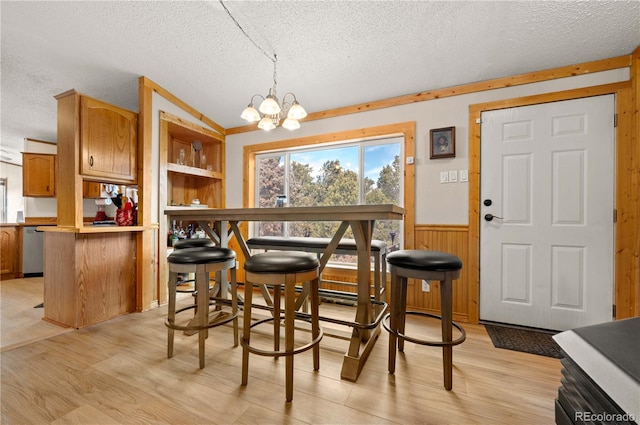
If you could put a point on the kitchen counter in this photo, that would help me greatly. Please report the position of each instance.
(90, 274)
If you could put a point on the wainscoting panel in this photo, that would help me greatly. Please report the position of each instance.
(454, 240)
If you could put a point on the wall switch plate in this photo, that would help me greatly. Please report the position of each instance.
(453, 176)
(444, 177)
(464, 176)
(426, 286)
(409, 160)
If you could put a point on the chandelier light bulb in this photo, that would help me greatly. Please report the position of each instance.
(250, 114)
(266, 123)
(291, 124)
(270, 106)
(296, 111)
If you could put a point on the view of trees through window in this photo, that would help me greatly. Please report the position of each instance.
(367, 172)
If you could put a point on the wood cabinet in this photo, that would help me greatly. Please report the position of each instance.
(39, 175)
(198, 174)
(11, 248)
(88, 277)
(108, 141)
(97, 142)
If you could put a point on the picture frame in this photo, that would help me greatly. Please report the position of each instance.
(442, 142)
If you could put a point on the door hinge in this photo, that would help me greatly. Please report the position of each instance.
(615, 216)
(478, 120)
(615, 120)
(614, 311)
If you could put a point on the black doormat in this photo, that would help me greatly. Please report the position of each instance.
(524, 340)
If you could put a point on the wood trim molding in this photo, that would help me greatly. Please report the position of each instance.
(146, 82)
(498, 83)
(407, 129)
(626, 233)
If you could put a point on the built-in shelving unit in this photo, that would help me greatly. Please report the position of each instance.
(186, 176)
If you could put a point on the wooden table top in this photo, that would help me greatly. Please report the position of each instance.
(325, 213)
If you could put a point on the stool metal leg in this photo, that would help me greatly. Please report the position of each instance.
(393, 319)
(246, 331)
(289, 329)
(202, 286)
(446, 297)
(276, 317)
(315, 320)
(402, 310)
(171, 316)
(234, 304)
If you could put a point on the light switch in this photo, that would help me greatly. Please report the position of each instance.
(464, 176)
(444, 177)
(453, 176)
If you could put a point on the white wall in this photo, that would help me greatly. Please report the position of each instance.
(15, 201)
(435, 203)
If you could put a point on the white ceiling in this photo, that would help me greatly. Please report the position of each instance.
(330, 53)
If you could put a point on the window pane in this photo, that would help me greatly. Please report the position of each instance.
(366, 172)
(270, 186)
(322, 177)
(382, 185)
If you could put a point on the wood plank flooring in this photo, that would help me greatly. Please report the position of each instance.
(117, 372)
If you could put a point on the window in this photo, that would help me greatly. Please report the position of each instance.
(349, 173)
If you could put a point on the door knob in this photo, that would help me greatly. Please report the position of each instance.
(487, 202)
(490, 217)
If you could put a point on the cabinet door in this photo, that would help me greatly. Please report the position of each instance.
(8, 245)
(108, 141)
(38, 175)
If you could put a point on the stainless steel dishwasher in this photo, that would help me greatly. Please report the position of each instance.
(32, 251)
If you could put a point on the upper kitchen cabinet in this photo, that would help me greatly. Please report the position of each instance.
(97, 142)
(39, 175)
(108, 141)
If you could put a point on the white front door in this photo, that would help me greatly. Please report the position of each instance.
(547, 175)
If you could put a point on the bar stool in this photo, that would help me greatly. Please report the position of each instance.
(192, 243)
(282, 268)
(201, 262)
(426, 265)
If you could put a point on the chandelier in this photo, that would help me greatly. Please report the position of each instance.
(270, 112)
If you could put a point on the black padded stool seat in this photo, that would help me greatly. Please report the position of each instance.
(424, 260)
(281, 262)
(282, 268)
(426, 265)
(201, 256)
(202, 262)
(194, 243)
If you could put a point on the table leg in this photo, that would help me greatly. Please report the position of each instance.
(362, 340)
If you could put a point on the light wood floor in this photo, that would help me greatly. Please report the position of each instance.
(117, 372)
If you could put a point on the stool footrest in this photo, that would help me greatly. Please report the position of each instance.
(213, 324)
(457, 341)
(280, 353)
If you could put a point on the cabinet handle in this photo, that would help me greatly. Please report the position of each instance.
(91, 160)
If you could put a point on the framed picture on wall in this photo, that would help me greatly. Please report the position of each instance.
(443, 142)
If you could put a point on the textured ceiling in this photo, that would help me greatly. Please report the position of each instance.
(330, 53)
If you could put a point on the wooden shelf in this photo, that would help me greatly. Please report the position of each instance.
(192, 171)
(93, 229)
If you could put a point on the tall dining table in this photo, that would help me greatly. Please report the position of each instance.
(221, 224)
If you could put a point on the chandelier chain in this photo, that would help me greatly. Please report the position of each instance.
(272, 59)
